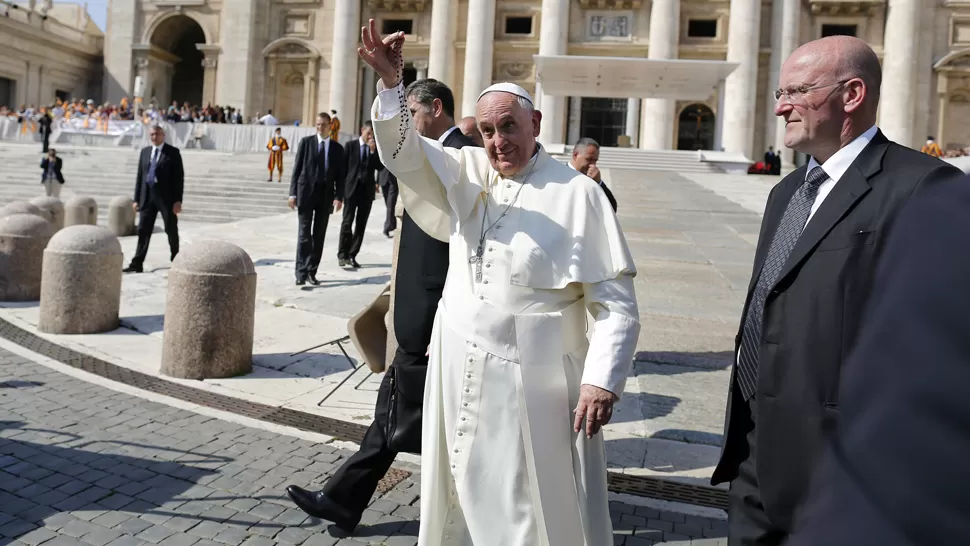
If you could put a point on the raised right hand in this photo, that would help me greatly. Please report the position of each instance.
(383, 55)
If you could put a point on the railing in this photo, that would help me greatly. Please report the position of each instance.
(36, 19)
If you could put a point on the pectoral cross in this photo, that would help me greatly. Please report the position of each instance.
(477, 261)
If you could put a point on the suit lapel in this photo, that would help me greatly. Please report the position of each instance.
(847, 191)
(772, 218)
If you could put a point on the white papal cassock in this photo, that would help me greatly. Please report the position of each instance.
(500, 464)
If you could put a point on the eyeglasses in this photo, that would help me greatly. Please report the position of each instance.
(796, 93)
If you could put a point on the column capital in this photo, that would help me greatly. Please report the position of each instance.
(420, 65)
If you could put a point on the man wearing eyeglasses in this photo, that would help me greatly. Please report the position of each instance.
(821, 239)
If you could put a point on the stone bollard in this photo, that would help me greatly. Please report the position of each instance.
(22, 207)
(121, 216)
(23, 238)
(209, 312)
(80, 210)
(80, 290)
(53, 207)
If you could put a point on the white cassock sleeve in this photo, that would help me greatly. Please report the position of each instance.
(613, 305)
(426, 171)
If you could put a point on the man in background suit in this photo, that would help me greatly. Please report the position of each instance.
(821, 239)
(586, 153)
(419, 279)
(158, 190)
(316, 190)
(388, 183)
(895, 472)
(360, 190)
(51, 176)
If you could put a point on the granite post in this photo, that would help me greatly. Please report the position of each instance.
(80, 290)
(23, 238)
(121, 216)
(80, 210)
(53, 207)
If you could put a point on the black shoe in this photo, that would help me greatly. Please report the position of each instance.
(313, 280)
(133, 269)
(342, 262)
(318, 505)
(300, 281)
(353, 262)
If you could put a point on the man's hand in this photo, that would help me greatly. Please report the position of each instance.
(594, 173)
(177, 207)
(134, 207)
(371, 143)
(383, 55)
(337, 205)
(291, 202)
(596, 406)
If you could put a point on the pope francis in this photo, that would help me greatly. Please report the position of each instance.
(533, 246)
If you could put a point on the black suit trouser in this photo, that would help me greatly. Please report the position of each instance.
(311, 234)
(390, 199)
(748, 524)
(155, 205)
(356, 210)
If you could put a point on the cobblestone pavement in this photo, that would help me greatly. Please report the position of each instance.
(81, 464)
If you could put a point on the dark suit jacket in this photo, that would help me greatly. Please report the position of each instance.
(58, 163)
(422, 266)
(169, 176)
(813, 314)
(355, 177)
(896, 472)
(309, 184)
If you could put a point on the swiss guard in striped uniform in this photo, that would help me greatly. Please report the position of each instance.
(276, 146)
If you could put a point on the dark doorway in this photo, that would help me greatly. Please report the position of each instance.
(8, 89)
(179, 36)
(409, 75)
(696, 128)
(603, 120)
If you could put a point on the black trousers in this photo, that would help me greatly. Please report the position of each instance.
(748, 525)
(310, 236)
(390, 199)
(356, 211)
(354, 483)
(154, 205)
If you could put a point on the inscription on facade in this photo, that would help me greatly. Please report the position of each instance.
(609, 26)
(296, 25)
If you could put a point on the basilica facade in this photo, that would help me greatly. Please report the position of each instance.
(298, 57)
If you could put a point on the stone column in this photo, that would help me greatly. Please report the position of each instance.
(238, 46)
(785, 17)
(633, 121)
(575, 123)
(310, 84)
(441, 58)
(741, 87)
(553, 37)
(897, 107)
(719, 118)
(119, 68)
(422, 69)
(80, 291)
(343, 64)
(209, 65)
(370, 91)
(942, 101)
(480, 37)
(657, 127)
(209, 312)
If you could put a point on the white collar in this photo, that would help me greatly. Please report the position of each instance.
(444, 135)
(322, 139)
(361, 140)
(840, 161)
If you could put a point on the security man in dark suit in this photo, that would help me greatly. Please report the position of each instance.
(360, 190)
(388, 183)
(316, 190)
(420, 278)
(895, 472)
(822, 237)
(158, 190)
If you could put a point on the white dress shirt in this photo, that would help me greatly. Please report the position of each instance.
(836, 166)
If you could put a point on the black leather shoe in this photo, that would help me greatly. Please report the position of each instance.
(133, 269)
(318, 505)
(300, 281)
(342, 262)
(313, 280)
(353, 262)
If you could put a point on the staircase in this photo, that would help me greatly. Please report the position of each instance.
(219, 187)
(649, 160)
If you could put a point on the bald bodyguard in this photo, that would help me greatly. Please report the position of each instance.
(822, 238)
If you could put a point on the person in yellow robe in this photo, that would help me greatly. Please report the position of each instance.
(334, 126)
(276, 146)
(931, 148)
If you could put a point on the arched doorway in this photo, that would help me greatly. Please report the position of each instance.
(696, 128)
(292, 69)
(180, 35)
